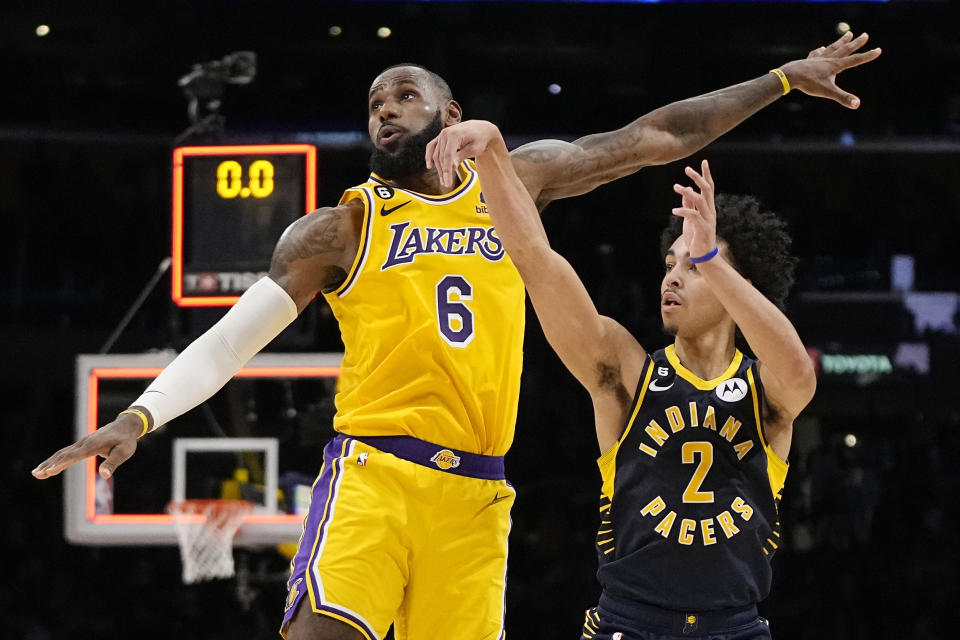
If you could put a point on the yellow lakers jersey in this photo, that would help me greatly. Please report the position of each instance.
(431, 315)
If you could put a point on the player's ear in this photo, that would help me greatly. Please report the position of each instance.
(452, 113)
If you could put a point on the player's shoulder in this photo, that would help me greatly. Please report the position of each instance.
(324, 218)
(327, 230)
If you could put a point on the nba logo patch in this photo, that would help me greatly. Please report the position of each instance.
(617, 636)
(445, 459)
(362, 459)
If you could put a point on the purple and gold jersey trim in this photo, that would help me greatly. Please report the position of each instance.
(325, 489)
(436, 456)
(364, 249)
(468, 175)
(370, 579)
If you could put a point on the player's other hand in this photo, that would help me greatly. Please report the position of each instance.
(456, 143)
(817, 74)
(698, 211)
(115, 441)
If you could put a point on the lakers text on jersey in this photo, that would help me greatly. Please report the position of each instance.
(431, 315)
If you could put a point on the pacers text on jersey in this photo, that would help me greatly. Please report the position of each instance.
(687, 529)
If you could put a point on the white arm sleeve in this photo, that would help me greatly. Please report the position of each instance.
(212, 359)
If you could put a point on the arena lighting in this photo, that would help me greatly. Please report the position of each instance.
(335, 31)
(843, 27)
(850, 440)
(554, 88)
(384, 32)
(42, 30)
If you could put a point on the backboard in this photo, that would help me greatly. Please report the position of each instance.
(261, 438)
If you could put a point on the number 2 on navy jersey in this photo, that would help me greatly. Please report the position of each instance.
(454, 318)
(692, 493)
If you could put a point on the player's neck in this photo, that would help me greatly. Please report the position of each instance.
(707, 355)
(427, 183)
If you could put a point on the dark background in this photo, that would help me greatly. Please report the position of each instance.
(88, 116)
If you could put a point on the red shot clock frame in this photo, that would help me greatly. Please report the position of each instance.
(221, 193)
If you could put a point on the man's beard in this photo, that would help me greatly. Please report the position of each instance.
(408, 159)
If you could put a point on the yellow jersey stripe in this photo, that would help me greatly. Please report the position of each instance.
(364, 249)
(692, 378)
(776, 468)
(607, 461)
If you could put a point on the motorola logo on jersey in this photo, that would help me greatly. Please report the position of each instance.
(732, 390)
(445, 459)
(409, 242)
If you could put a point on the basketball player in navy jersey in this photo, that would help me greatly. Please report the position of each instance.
(693, 438)
(353, 575)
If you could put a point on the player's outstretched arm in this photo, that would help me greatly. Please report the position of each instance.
(788, 376)
(598, 351)
(309, 257)
(553, 169)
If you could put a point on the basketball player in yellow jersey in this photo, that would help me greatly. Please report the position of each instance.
(440, 256)
(410, 512)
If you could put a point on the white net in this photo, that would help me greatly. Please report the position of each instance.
(205, 530)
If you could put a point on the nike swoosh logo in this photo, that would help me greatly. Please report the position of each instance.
(385, 212)
(656, 387)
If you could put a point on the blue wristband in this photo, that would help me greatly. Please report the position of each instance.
(706, 256)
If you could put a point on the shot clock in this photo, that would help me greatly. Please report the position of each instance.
(230, 205)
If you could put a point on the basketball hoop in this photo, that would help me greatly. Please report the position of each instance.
(205, 531)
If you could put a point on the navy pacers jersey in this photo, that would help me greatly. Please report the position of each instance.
(690, 492)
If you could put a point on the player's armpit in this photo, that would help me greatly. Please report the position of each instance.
(777, 420)
(316, 252)
(785, 398)
(617, 372)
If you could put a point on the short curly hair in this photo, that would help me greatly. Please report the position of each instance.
(757, 241)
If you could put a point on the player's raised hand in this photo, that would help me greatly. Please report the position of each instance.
(456, 143)
(698, 211)
(817, 74)
(115, 441)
